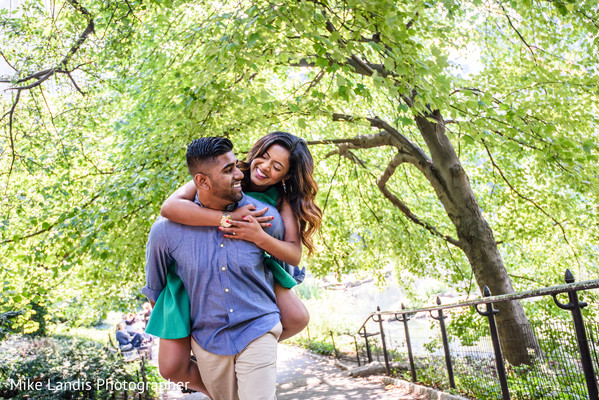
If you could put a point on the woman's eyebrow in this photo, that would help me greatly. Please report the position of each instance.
(278, 162)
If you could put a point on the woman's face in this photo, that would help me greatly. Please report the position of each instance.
(270, 168)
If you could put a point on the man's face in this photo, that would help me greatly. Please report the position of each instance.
(225, 179)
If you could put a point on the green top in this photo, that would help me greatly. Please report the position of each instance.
(269, 196)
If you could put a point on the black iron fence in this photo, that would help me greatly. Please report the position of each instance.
(562, 365)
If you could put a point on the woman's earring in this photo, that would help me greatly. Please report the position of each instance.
(284, 186)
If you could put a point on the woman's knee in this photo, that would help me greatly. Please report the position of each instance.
(174, 358)
(173, 368)
(299, 318)
(294, 314)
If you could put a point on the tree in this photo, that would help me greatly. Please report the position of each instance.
(369, 83)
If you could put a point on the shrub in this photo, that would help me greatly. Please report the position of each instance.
(6, 322)
(318, 346)
(61, 368)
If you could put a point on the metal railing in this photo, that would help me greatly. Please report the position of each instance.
(553, 365)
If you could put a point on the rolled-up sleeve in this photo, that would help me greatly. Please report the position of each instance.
(158, 259)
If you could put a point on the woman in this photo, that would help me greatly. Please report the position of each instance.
(278, 171)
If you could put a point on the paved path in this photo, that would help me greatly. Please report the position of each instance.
(302, 375)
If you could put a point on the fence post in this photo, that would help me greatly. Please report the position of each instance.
(334, 346)
(581, 338)
(368, 354)
(357, 351)
(405, 319)
(490, 314)
(385, 355)
(144, 379)
(441, 319)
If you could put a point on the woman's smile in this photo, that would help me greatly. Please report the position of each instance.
(260, 174)
(269, 168)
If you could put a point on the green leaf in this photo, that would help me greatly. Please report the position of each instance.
(406, 120)
(253, 39)
(389, 64)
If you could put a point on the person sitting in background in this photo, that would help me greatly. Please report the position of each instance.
(127, 341)
(130, 320)
(145, 313)
(134, 324)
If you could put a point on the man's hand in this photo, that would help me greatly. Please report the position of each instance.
(249, 210)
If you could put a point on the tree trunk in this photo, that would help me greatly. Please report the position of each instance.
(476, 239)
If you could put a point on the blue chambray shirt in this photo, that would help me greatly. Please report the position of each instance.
(232, 300)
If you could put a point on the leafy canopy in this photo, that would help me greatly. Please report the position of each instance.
(103, 98)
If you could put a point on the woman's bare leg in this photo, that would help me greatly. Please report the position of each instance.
(174, 363)
(294, 315)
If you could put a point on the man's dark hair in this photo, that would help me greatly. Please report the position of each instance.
(205, 149)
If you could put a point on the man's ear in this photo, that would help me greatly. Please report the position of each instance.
(202, 181)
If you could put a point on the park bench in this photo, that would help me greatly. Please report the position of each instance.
(132, 354)
(135, 354)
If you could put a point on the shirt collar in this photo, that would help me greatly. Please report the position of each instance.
(229, 208)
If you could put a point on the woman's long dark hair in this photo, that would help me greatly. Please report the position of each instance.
(300, 187)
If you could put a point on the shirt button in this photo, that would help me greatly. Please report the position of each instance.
(223, 268)
(222, 245)
(227, 290)
(230, 310)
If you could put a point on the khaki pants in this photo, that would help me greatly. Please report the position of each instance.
(249, 375)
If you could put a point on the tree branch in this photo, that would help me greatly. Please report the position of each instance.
(420, 159)
(345, 152)
(44, 75)
(509, 20)
(405, 154)
(509, 126)
(359, 142)
(129, 11)
(411, 22)
(35, 75)
(526, 279)
(531, 201)
(11, 114)
(75, 84)
(50, 227)
(382, 185)
(326, 200)
(361, 67)
(6, 60)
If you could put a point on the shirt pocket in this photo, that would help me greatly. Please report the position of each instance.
(248, 255)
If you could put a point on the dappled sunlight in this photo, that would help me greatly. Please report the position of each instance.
(303, 375)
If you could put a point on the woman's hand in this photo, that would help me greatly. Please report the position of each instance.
(249, 229)
(249, 210)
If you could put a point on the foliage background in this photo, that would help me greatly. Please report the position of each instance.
(89, 153)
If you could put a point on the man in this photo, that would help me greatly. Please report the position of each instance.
(235, 320)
